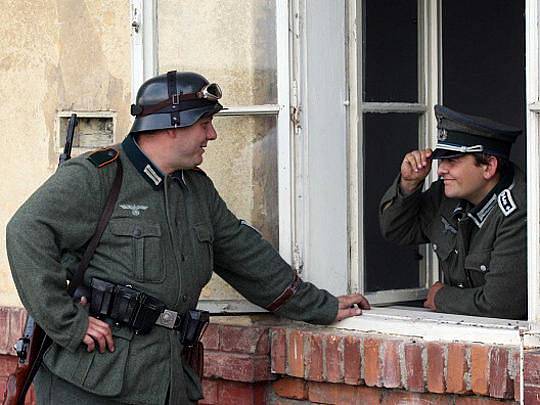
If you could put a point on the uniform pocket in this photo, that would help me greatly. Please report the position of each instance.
(99, 373)
(204, 250)
(477, 263)
(141, 242)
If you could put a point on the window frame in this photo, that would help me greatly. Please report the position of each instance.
(439, 326)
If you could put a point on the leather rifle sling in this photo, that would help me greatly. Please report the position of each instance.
(78, 276)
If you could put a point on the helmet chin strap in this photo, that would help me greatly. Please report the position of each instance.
(174, 95)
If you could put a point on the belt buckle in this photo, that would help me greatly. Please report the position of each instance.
(167, 319)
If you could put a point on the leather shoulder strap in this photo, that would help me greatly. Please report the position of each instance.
(78, 276)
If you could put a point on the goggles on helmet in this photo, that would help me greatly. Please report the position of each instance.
(210, 92)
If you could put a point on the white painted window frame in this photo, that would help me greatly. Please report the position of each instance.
(428, 78)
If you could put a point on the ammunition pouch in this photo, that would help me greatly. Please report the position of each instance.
(123, 305)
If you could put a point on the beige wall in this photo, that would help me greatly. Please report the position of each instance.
(55, 55)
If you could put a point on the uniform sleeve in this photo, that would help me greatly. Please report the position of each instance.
(57, 218)
(253, 267)
(504, 295)
(405, 220)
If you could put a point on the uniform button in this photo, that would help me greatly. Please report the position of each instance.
(456, 251)
(184, 298)
(483, 267)
(460, 285)
(137, 232)
(434, 246)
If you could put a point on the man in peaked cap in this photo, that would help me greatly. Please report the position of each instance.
(168, 232)
(474, 216)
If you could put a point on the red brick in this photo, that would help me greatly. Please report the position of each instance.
(210, 338)
(415, 367)
(412, 398)
(480, 369)
(278, 353)
(372, 363)
(210, 392)
(464, 400)
(532, 367)
(334, 359)
(234, 393)
(17, 322)
(391, 373)
(435, 368)
(352, 359)
(500, 385)
(294, 388)
(456, 369)
(242, 339)
(4, 330)
(531, 395)
(295, 354)
(237, 366)
(286, 401)
(314, 359)
(516, 373)
(328, 393)
(7, 365)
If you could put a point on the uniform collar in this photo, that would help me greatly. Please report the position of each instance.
(480, 212)
(146, 168)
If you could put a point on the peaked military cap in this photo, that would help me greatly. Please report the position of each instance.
(461, 133)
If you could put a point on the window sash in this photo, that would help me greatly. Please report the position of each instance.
(428, 95)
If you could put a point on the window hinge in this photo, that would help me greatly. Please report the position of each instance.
(295, 107)
(136, 18)
(297, 262)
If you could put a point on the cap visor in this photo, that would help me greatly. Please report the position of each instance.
(445, 154)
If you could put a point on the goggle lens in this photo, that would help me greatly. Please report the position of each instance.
(211, 91)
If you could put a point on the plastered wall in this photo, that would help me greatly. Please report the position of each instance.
(58, 56)
(55, 55)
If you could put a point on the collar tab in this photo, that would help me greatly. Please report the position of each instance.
(144, 166)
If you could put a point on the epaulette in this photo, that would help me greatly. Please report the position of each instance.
(103, 157)
(199, 170)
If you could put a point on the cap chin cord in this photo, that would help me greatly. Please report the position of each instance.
(460, 148)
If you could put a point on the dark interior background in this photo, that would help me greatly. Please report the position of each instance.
(483, 62)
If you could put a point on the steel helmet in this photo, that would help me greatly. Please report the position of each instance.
(174, 100)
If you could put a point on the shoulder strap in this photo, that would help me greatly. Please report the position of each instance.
(78, 276)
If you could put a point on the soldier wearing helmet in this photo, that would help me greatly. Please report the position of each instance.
(474, 216)
(169, 231)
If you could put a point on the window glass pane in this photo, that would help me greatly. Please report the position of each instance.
(483, 51)
(231, 42)
(387, 137)
(390, 50)
(242, 162)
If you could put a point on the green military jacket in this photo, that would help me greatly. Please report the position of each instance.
(167, 234)
(482, 250)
